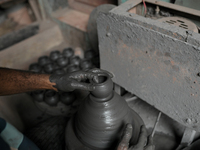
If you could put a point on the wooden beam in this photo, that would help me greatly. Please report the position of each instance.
(35, 7)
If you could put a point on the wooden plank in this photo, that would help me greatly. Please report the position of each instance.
(80, 6)
(75, 18)
(21, 55)
(35, 7)
(96, 2)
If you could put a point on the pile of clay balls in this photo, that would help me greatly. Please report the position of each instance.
(60, 63)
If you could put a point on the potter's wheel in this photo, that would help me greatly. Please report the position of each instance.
(73, 143)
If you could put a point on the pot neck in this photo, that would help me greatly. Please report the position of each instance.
(102, 99)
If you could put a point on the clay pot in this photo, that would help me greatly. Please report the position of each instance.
(54, 55)
(62, 62)
(59, 71)
(101, 119)
(67, 97)
(68, 52)
(35, 68)
(51, 98)
(49, 68)
(56, 67)
(89, 54)
(38, 95)
(86, 64)
(73, 68)
(44, 60)
(75, 60)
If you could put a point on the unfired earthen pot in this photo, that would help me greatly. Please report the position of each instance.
(38, 95)
(86, 64)
(68, 52)
(62, 61)
(44, 60)
(54, 55)
(67, 98)
(51, 98)
(75, 60)
(89, 54)
(59, 71)
(101, 119)
(73, 68)
(35, 68)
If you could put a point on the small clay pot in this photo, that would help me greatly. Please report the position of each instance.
(75, 60)
(86, 64)
(73, 68)
(68, 52)
(103, 89)
(49, 68)
(38, 95)
(59, 71)
(62, 62)
(44, 60)
(35, 68)
(56, 67)
(54, 55)
(67, 97)
(89, 54)
(51, 98)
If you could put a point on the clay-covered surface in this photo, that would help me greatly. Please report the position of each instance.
(156, 61)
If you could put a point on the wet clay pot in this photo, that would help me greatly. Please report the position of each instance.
(35, 68)
(38, 95)
(67, 98)
(89, 54)
(73, 68)
(75, 60)
(59, 71)
(86, 64)
(54, 55)
(62, 62)
(101, 119)
(51, 98)
(44, 60)
(49, 68)
(68, 52)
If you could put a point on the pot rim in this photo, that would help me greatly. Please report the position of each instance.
(99, 75)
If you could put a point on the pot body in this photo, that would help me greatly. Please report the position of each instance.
(51, 98)
(100, 124)
(68, 52)
(67, 98)
(38, 95)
